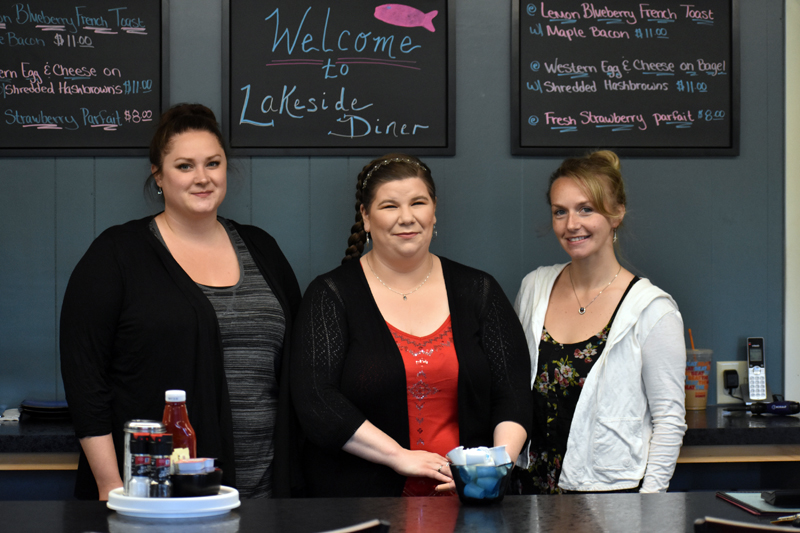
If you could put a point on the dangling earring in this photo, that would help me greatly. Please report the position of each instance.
(160, 192)
(367, 239)
(615, 235)
(435, 233)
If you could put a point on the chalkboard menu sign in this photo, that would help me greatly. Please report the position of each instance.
(352, 77)
(640, 78)
(81, 78)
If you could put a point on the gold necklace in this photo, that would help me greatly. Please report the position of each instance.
(581, 308)
(403, 294)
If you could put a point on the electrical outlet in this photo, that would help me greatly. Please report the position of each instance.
(741, 369)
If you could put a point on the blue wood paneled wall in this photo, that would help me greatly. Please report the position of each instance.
(709, 231)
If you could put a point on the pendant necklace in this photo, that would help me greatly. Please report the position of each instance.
(581, 308)
(403, 294)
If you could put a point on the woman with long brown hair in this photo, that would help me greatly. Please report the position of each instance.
(187, 300)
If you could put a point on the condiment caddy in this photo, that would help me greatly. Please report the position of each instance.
(162, 476)
(227, 499)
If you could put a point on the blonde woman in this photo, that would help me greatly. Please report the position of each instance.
(607, 350)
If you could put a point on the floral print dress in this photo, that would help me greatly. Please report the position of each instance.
(561, 372)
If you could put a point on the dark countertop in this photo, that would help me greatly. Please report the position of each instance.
(38, 436)
(713, 426)
(654, 513)
(717, 426)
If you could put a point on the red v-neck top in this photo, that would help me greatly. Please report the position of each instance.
(432, 392)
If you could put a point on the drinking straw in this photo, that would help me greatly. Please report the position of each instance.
(691, 339)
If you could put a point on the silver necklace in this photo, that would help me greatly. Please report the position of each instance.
(582, 309)
(403, 294)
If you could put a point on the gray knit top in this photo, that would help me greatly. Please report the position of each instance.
(252, 327)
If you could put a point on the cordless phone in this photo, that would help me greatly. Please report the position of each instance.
(756, 375)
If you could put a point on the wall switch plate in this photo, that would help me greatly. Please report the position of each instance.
(722, 394)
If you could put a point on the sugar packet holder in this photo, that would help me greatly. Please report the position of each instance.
(479, 456)
(481, 474)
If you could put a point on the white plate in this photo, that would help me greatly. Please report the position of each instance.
(227, 499)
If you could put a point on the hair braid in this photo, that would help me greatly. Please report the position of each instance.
(358, 237)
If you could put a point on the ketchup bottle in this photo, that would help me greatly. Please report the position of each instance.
(176, 422)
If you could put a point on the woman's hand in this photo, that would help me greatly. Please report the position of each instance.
(105, 488)
(372, 444)
(451, 485)
(419, 463)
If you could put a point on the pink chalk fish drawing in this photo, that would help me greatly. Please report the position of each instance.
(406, 16)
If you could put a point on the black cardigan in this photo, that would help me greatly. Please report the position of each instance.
(346, 368)
(134, 324)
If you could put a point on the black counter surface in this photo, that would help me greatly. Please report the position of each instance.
(669, 512)
(713, 426)
(38, 436)
(716, 425)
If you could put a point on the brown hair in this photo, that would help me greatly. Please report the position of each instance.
(389, 167)
(598, 174)
(176, 120)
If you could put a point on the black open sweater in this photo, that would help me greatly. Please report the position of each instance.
(134, 324)
(346, 368)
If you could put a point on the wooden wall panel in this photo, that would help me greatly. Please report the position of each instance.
(74, 229)
(281, 205)
(709, 231)
(331, 211)
(27, 281)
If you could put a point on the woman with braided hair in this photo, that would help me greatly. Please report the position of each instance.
(399, 355)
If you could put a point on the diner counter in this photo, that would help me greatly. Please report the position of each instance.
(45, 445)
(38, 436)
(654, 513)
(730, 450)
(713, 435)
(716, 426)
(734, 450)
(713, 426)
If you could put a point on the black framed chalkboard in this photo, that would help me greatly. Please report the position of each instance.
(352, 77)
(84, 78)
(640, 78)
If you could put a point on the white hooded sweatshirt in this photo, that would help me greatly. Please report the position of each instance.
(630, 418)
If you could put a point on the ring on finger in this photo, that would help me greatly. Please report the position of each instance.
(439, 471)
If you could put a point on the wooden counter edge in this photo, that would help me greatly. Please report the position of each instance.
(39, 461)
(752, 453)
